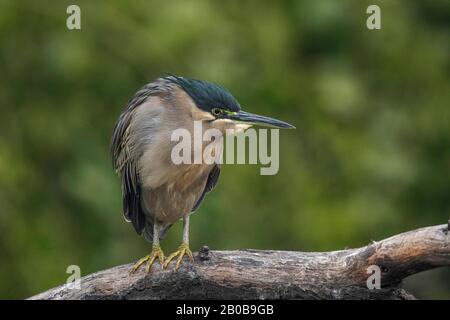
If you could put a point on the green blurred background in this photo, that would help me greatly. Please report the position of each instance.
(370, 157)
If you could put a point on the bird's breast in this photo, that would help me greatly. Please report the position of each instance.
(176, 197)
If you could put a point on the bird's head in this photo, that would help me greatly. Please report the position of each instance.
(221, 109)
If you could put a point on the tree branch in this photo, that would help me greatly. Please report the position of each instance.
(256, 274)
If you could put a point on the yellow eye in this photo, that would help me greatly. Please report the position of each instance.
(216, 111)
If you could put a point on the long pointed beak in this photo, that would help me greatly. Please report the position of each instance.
(255, 119)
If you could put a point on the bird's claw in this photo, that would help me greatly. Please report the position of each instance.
(183, 250)
(156, 253)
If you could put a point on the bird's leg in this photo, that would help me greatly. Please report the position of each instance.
(183, 249)
(156, 253)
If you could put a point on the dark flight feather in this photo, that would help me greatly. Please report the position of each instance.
(213, 178)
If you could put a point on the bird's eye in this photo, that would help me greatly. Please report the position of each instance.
(217, 112)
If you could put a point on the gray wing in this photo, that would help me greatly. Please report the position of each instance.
(125, 157)
(213, 178)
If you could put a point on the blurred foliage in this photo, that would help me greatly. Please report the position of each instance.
(370, 156)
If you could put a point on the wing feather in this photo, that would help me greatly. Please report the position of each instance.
(213, 178)
(125, 157)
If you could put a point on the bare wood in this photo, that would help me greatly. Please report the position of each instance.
(256, 274)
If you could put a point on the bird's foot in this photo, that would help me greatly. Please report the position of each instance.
(183, 250)
(156, 253)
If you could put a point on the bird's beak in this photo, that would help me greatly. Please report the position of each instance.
(255, 119)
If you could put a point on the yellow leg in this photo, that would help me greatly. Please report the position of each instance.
(156, 253)
(183, 250)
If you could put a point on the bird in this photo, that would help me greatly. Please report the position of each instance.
(156, 193)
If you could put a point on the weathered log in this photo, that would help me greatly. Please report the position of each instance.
(257, 274)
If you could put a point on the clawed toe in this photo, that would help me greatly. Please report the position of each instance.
(183, 250)
(156, 253)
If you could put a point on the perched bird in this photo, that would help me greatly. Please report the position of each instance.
(156, 192)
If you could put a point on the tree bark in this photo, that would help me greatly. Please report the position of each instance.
(257, 274)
